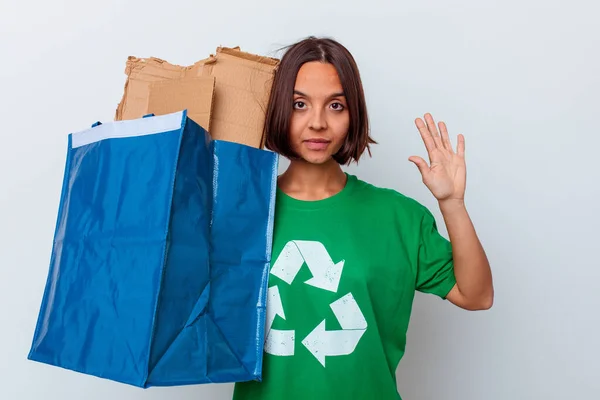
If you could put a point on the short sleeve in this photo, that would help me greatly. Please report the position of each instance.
(435, 265)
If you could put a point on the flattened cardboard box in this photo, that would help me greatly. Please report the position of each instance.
(226, 93)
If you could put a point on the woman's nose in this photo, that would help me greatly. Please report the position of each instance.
(317, 120)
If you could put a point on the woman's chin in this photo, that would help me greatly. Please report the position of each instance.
(317, 159)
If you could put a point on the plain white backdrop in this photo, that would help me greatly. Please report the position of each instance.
(520, 79)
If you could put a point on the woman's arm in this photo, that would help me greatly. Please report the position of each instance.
(445, 177)
(474, 289)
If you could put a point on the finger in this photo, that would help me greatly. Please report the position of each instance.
(432, 128)
(421, 165)
(425, 135)
(460, 147)
(445, 137)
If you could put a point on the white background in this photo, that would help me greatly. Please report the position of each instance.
(521, 80)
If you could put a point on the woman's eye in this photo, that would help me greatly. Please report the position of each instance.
(337, 106)
(299, 105)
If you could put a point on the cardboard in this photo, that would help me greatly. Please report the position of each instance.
(193, 94)
(226, 93)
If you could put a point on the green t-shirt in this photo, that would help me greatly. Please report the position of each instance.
(342, 282)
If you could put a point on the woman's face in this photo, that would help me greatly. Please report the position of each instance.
(320, 118)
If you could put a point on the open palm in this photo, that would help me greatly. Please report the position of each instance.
(445, 176)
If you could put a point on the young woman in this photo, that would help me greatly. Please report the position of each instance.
(349, 256)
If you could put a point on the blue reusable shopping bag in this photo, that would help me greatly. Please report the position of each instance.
(159, 266)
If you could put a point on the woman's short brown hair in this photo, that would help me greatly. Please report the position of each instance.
(280, 107)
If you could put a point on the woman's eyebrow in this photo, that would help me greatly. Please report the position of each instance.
(337, 94)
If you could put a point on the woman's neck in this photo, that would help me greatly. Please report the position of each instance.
(305, 181)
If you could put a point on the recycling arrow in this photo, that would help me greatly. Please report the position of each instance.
(280, 342)
(275, 307)
(326, 274)
(322, 343)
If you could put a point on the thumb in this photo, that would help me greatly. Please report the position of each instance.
(421, 164)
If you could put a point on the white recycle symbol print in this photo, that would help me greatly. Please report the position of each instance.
(325, 275)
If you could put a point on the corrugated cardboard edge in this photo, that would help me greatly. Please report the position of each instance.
(265, 60)
(135, 64)
(235, 51)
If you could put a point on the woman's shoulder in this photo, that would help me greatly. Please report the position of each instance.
(379, 196)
